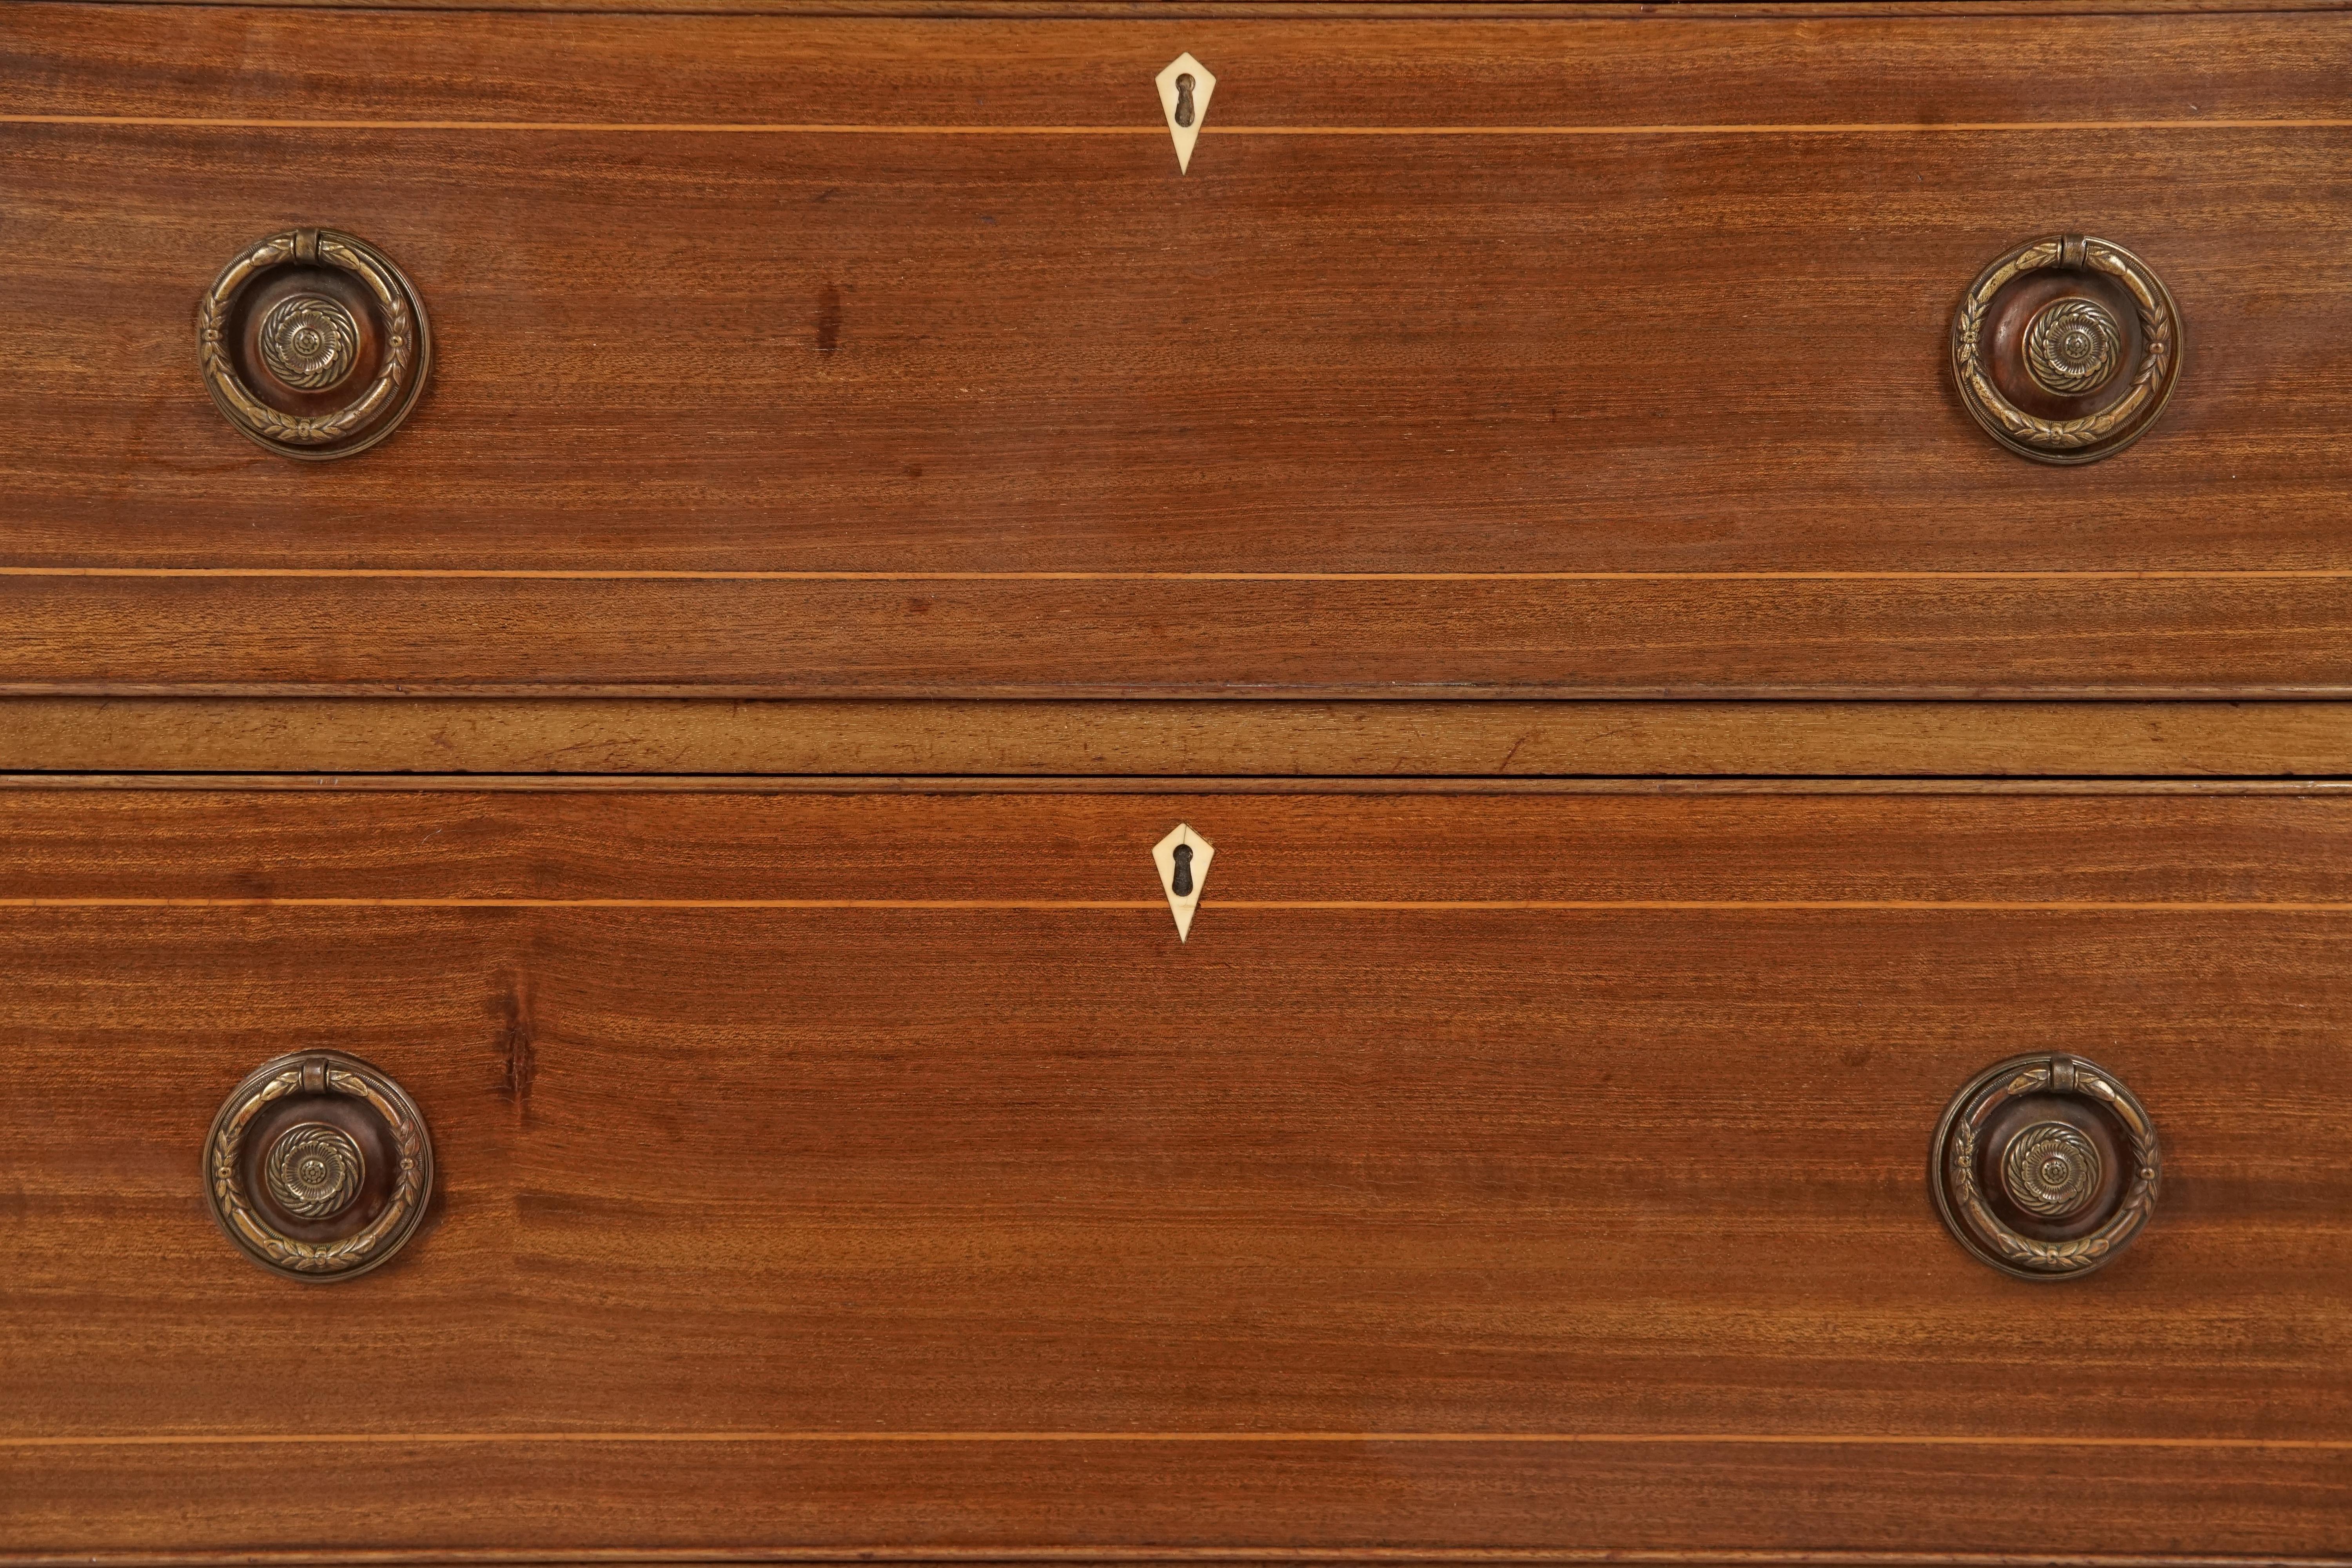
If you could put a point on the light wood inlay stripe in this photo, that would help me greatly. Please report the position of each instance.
(630, 574)
(1775, 1440)
(1344, 906)
(733, 127)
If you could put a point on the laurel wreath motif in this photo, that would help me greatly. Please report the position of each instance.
(399, 339)
(411, 1177)
(2085, 1252)
(2148, 386)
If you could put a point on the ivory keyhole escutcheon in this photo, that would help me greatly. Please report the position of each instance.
(1184, 860)
(1184, 89)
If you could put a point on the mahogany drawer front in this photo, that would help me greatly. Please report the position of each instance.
(1540, 1170)
(821, 355)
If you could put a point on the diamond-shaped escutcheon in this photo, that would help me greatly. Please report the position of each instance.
(1184, 89)
(1183, 860)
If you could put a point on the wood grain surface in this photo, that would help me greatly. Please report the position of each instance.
(1443, 307)
(1539, 1173)
(865, 351)
(1534, 64)
(1199, 738)
(665, 840)
(2133, 638)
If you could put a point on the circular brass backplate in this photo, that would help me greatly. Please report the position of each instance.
(313, 344)
(319, 1166)
(2065, 349)
(2045, 1166)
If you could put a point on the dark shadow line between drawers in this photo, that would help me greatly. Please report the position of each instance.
(1169, 1556)
(1529, 11)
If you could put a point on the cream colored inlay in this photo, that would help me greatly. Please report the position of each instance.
(1195, 868)
(1184, 89)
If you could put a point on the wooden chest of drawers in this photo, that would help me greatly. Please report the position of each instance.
(872, 1170)
(1532, 353)
(1290, 782)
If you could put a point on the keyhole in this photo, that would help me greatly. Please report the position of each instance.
(1184, 116)
(1181, 883)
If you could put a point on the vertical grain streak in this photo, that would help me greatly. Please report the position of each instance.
(517, 1044)
(828, 319)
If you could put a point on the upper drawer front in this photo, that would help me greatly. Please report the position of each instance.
(833, 1172)
(820, 355)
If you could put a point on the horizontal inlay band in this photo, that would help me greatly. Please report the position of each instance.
(1341, 906)
(722, 128)
(1777, 1439)
(619, 574)
(1145, 783)
(1565, 1557)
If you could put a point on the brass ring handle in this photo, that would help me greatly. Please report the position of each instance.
(2042, 337)
(302, 315)
(319, 1166)
(2046, 1166)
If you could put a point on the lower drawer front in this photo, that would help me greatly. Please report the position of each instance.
(821, 1172)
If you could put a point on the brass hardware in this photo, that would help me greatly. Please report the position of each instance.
(319, 1166)
(294, 322)
(2051, 1170)
(2046, 1167)
(308, 342)
(2043, 339)
(314, 1171)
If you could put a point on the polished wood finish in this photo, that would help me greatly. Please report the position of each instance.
(395, 634)
(1526, 1158)
(683, 841)
(968, 353)
(1112, 739)
(1619, 65)
(938, 1196)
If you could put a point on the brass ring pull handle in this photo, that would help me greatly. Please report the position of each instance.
(319, 1166)
(2046, 1167)
(293, 323)
(2043, 340)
